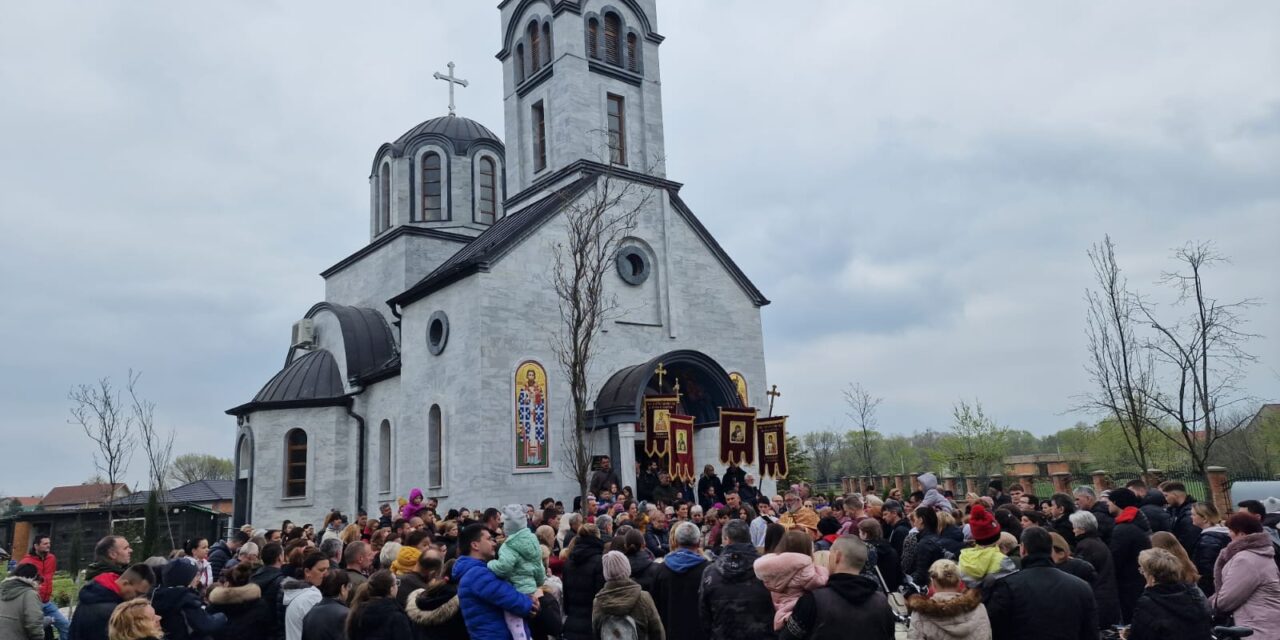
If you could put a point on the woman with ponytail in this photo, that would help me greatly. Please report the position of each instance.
(374, 612)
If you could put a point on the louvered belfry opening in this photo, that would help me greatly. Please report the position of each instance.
(612, 39)
(535, 48)
(488, 191)
(432, 200)
(633, 52)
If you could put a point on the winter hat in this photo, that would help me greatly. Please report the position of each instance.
(828, 526)
(513, 519)
(1124, 498)
(406, 561)
(179, 573)
(27, 570)
(996, 484)
(983, 525)
(615, 566)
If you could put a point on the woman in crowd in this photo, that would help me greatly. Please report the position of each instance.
(1170, 608)
(583, 579)
(928, 547)
(21, 615)
(435, 610)
(1168, 542)
(789, 573)
(953, 612)
(622, 608)
(886, 558)
(181, 609)
(134, 620)
(1091, 549)
(1245, 580)
(374, 612)
(240, 600)
(197, 550)
(1213, 539)
(644, 568)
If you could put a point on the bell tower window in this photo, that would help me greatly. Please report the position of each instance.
(535, 48)
(633, 53)
(617, 130)
(539, 137)
(593, 39)
(432, 198)
(613, 39)
(488, 191)
(519, 63)
(384, 198)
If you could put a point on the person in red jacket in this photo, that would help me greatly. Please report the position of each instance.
(45, 562)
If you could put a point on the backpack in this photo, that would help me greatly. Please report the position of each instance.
(619, 628)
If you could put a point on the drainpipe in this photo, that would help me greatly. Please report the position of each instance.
(360, 448)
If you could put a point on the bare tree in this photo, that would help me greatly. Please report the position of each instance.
(595, 224)
(862, 408)
(97, 409)
(1204, 355)
(824, 450)
(1122, 371)
(158, 447)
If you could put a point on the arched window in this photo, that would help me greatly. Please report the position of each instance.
(535, 48)
(384, 199)
(546, 43)
(613, 39)
(384, 456)
(519, 63)
(633, 52)
(488, 206)
(245, 458)
(432, 200)
(435, 448)
(295, 461)
(593, 39)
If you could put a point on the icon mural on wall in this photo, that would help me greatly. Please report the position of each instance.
(531, 416)
(740, 384)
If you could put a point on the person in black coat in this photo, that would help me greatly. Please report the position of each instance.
(929, 546)
(886, 558)
(1091, 549)
(182, 613)
(583, 579)
(99, 599)
(240, 600)
(1180, 505)
(374, 612)
(896, 525)
(1040, 602)
(1152, 505)
(327, 620)
(1213, 539)
(644, 568)
(733, 604)
(708, 488)
(734, 477)
(675, 592)
(1061, 508)
(1169, 609)
(1087, 500)
(1130, 537)
(435, 612)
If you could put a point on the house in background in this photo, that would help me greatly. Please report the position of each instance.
(82, 496)
(214, 495)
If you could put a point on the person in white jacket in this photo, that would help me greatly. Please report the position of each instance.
(298, 596)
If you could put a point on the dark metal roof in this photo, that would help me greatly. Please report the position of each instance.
(621, 397)
(494, 242)
(309, 381)
(366, 338)
(198, 491)
(462, 131)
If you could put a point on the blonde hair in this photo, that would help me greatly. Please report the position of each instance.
(945, 519)
(546, 535)
(350, 533)
(130, 621)
(1007, 542)
(1060, 543)
(1207, 512)
(1160, 565)
(945, 572)
(1166, 541)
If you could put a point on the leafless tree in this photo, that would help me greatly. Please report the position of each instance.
(595, 224)
(862, 407)
(1121, 370)
(1203, 353)
(97, 408)
(824, 450)
(157, 446)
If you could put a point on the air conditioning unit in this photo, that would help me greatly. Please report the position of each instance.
(304, 333)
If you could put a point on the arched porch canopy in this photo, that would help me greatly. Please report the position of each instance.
(704, 386)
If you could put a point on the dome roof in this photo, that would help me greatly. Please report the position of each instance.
(463, 132)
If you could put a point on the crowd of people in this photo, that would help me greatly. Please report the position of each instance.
(713, 560)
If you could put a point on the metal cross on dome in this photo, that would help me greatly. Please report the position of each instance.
(452, 81)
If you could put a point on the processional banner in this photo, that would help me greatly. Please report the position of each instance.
(681, 467)
(737, 435)
(773, 446)
(657, 423)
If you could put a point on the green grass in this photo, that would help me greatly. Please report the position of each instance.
(64, 589)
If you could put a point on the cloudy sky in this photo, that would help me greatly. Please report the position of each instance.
(914, 185)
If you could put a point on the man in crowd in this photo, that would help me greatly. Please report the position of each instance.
(46, 564)
(111, 555)
(604, 478)
(995, 489)
(1153, 506)
(248, 552)
(1187, 533)
(298, 596)
(734, 502)
(1087, 500)
(101, 595)
(327, 620)
(665, 493)
(357, 562)
(268, 578)
(1269, 520)
(734, 477)
(482, 596)
(748, 490)
(760, 525)
(222, 552)
(1041, 602)
(733, 604)
(655, 537)
(675, 590)
(420, 577)
(646, 482)
(385, 519)
(332, 549)
(849, 601)
(895, 524)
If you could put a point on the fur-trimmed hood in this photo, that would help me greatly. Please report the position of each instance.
(951, 615)
(946, 604)
(224, 596)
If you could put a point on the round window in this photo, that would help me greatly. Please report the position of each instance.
(437, 332)
(633, 265)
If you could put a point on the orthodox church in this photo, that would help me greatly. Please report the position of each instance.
(430, 363)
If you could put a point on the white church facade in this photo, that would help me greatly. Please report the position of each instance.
(430, 363)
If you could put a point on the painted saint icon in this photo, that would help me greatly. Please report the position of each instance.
(740, 384)
(531, 416)
(682, 442)
(738, 432)
(661, 421)
(770, 444)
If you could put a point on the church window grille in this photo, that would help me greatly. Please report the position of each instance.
(384, 456)
(535, 48)
(633, 52)
(539, 137)
(432, 197)
(519, 63)
(593, 39)
(435, 448)
(488, 191)
(612, 39)
(296, 464)
(617, 130)
(384, 199)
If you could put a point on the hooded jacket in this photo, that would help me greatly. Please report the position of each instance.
(733, 603)
(98, 567)
(1039, 602)
(932, 497)
(949, 616)
(1156, 509)
(1247, 586)
(483, 598)
(979, 563)
(96, 602)
(219, 555)
(410, 510)
(435, 613)
(675, 593)
(1170, 612)
(623, 598)
(243, 609)
(183, 616)
(644, 569)
(20, 612)
(379, 619)
(1090, 548)
(583, 578)
(1131, 536)
(847, 602)
(1211, 543)
(519, 562)
(1183, 528)
(788, 576)
(326, 621)
(296, 599)
(47, 566)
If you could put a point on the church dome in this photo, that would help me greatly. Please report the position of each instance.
(462, 132)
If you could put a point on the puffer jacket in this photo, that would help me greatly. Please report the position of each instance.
(888, 563)
(1156, 509)
(929, 548)
(949, 616)
(583, 579)
(1106, 522)
(1211, 543)
(435, 614)
(1093, 550)
(788, 576)
(644, 570)
(932, 497)
(1171, 612)
(483, 598)
(623, 598)
(246, 617)
(20, 612)
(183, 616)
(1131, 536)
(519, 562)
(1247, 586)
(96, 602)
(379, 619)
(733, 603)
(1183, 528)
(47, 566)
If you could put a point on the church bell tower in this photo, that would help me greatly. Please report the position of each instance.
(581, 82)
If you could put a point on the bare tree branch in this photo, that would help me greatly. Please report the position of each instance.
(862, 407)
(97, 409)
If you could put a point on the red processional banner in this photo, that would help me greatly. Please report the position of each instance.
(681, 467)
(657, 423)
(737, 435)
(773, 446)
